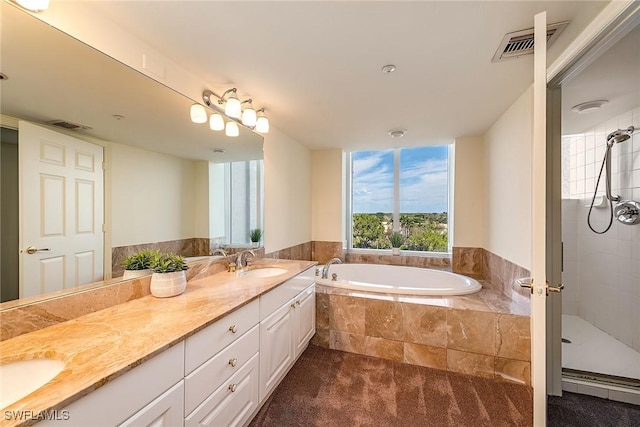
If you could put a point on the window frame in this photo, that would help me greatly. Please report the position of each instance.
(396, 202)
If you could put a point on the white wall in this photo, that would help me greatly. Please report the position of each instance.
(604, 269)
(287, 192)
(201, 200)
(508, 182)
(469, 194)
(152, 196)
(327, 204)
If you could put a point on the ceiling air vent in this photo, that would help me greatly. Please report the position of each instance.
(520, 43)
(68, 125)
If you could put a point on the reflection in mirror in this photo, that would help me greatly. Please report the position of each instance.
(237, 192)
(157, 162)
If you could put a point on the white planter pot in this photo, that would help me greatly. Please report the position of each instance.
(133, 274)
(395, 251)
(255, 244)
(164, 285)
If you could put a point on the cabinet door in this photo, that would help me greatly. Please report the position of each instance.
(166, 411)
(276, 348)
(305, 318)
(233, 403)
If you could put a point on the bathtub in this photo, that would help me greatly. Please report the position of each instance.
(391, 279)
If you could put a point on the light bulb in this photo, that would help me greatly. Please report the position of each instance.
(262, 123)
(249, 117)
(232, 129)
(198, 114)
(232, 107)
(34, 5)
(216, 121)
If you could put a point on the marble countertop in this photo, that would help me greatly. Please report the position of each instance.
(103, 345)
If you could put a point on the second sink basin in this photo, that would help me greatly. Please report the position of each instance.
(18, 379)
(263, 272)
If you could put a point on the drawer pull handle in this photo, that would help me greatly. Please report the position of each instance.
(233, 362)
(298, 302)
(233, 329)
(293, 305)
(233, 387)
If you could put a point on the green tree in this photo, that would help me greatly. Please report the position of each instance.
(368, 232)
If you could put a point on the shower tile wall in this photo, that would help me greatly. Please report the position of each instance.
(602, 272)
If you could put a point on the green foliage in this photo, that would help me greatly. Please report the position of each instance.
(141, 260)
(368, 232)
(418, 231)
(168, 263)
(255, 235)
(396, 239)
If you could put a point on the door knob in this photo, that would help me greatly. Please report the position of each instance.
(32, 250)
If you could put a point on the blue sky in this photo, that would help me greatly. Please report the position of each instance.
(423, 180)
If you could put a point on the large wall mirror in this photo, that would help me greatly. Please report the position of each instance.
(161, 183)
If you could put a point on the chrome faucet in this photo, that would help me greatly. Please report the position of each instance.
(325, 269)
(242, 260)
(219, 251)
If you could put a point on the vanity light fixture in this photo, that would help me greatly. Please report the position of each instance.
(198, 114)
(248, 114)
(262, 122)
(248, 117)
(34, 5)
(231, 129)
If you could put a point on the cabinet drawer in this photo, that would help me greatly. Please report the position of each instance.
(232, 403)
(275, 298)
(205, 379)
(209, 341)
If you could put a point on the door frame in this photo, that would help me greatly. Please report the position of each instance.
(614, 22)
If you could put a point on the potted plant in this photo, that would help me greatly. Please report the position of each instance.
(255, 235)
(139, 264)
(396, 241)
(169, 278)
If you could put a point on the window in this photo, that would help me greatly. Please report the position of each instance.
(236, 194)
(405, 190)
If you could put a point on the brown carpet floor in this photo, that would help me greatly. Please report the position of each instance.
(332, 388)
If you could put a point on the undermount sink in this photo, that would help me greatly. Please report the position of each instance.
(263, 272)
(18, 379)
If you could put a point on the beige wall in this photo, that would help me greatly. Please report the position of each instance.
(287, 192)
(508, 182)
(201, 199)
(470, 193)
(327, 204)
(152, 196)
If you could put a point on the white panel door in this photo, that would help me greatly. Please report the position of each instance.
(305, 318)
(276, 348)
(538, 221)
(61, 210)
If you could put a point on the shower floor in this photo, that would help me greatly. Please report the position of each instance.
(593, 350)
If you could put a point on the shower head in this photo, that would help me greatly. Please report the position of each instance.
(619, 135)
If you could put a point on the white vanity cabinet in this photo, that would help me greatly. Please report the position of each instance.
(287, 324)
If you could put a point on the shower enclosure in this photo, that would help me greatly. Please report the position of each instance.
(601, 253)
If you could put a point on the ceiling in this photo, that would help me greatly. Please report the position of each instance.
(614, 76)
(316, 66)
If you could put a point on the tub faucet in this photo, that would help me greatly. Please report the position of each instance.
(219, 251)
(325, 269)
(242, 261)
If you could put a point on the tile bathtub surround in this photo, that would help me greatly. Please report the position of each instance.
(468, 261)
(186, 247)
(324, 251)
(437, 263)
(299, 252)
(482, 334)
